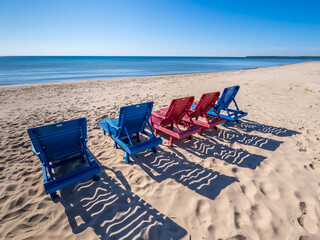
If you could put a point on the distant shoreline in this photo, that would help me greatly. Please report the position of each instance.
(136, 77)
(28, 70)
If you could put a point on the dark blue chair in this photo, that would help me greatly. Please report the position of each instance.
(132, 121)
(59, 144)
(223, 104)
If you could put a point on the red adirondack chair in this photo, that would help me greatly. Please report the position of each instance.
(200, 109)
(173, 116)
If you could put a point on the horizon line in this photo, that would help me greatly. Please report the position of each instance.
(258, 56)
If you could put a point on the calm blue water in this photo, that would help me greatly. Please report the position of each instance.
(24, 70)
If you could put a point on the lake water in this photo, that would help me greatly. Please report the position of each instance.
(25, 70)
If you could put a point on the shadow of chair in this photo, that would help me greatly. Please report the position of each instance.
(209, 147)
(114, 212)
(232, 135)
(250, 126)
(173, 164)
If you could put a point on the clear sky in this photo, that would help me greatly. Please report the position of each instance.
(160, 27)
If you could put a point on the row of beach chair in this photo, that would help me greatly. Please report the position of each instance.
(65, 142)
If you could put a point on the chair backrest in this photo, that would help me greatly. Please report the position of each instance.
(205, 103)
(58, 139)
(177, 110)
(134, 118)
(226, 98)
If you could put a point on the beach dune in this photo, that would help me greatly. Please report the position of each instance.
(255, 179)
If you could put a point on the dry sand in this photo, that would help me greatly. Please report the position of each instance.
(257, 179)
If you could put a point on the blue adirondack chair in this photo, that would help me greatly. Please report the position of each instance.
(62, 143)
(223, 104)
(132, 121)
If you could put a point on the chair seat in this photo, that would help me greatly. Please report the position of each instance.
(211, 123)
(233, 116)
(72, 178)
(140, 147)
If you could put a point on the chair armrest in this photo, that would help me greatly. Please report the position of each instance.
(111, 124)
(84, 150)
(34, 150)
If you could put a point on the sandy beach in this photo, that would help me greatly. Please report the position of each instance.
(256, 179)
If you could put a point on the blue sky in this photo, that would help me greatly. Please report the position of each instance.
(159, 27)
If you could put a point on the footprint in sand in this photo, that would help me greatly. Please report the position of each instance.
(306, 220)
(261, 216)
(269, 190)
(314, 165)
(211, 229)
(202, 209)
(301, 147)
(238, 237)
(308, 223)
(303, 207)
(305, 237)
(241, 219)
(268, 166)
(249, 190)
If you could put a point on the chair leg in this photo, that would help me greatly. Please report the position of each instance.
(170, 142)
(138, 138)
(127, 158)
(154, 149)
(115, 145)
(53, 195)
(156, 132)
